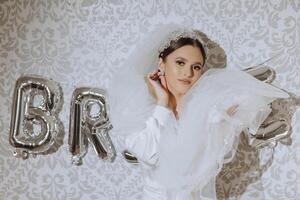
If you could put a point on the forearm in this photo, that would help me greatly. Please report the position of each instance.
(143, 144)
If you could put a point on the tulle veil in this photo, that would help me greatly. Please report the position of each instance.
(192, 155)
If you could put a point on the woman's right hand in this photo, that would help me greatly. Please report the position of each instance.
(232, 110)
(158, 90)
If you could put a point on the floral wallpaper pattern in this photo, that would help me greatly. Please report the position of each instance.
(81, 43)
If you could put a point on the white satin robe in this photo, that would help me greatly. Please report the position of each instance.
(143, 145)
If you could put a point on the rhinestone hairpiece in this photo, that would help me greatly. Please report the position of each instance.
(181, 33)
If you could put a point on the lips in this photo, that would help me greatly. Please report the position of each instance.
(185, 81)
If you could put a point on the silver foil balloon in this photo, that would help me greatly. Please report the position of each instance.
(270, 133)
(35, 126)
(262, 73)
(89, 123)
(129, 157)
(277, 126)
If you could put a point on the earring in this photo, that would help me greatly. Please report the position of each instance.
(161, 71)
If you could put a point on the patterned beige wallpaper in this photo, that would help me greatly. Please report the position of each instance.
(81, 43)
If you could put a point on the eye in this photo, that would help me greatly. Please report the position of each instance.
(197, 67)
(180, 62)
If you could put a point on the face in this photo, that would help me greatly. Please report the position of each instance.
(185, 63)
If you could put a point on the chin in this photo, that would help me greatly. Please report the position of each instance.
(183, 90)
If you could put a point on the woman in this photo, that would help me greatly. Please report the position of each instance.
(183, 121)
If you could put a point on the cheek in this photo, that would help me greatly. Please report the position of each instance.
(172, 75)
(199, 76)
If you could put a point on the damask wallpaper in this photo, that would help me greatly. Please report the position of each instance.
(82, 43)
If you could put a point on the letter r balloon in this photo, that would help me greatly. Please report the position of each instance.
(89, 123)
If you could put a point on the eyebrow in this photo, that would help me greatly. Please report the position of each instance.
(186, 60)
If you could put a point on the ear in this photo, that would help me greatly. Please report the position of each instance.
(161, 64)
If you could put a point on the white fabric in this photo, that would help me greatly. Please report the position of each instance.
(205, 132)
(180, 159)
(202, 137)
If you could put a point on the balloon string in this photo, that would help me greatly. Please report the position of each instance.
(269, 59)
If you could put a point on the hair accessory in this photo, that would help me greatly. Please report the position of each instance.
(215, 56)
(183, 33)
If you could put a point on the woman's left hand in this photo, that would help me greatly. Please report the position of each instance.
(232, 110)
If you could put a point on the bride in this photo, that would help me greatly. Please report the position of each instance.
(176, 107)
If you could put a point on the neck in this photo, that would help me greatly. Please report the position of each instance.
(174, 102)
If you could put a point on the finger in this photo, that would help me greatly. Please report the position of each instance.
(150, 75)
(233, 112)
(152, 82)
(235, 108)
(154, 75)
(146, 77)
(232, 108)
(163, 81)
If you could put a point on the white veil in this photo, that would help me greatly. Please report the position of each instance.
(130, 103)
(194, 154)
(129, 100)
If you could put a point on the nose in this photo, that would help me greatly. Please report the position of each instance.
(188, 72)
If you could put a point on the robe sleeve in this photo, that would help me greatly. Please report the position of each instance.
(143, 144)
